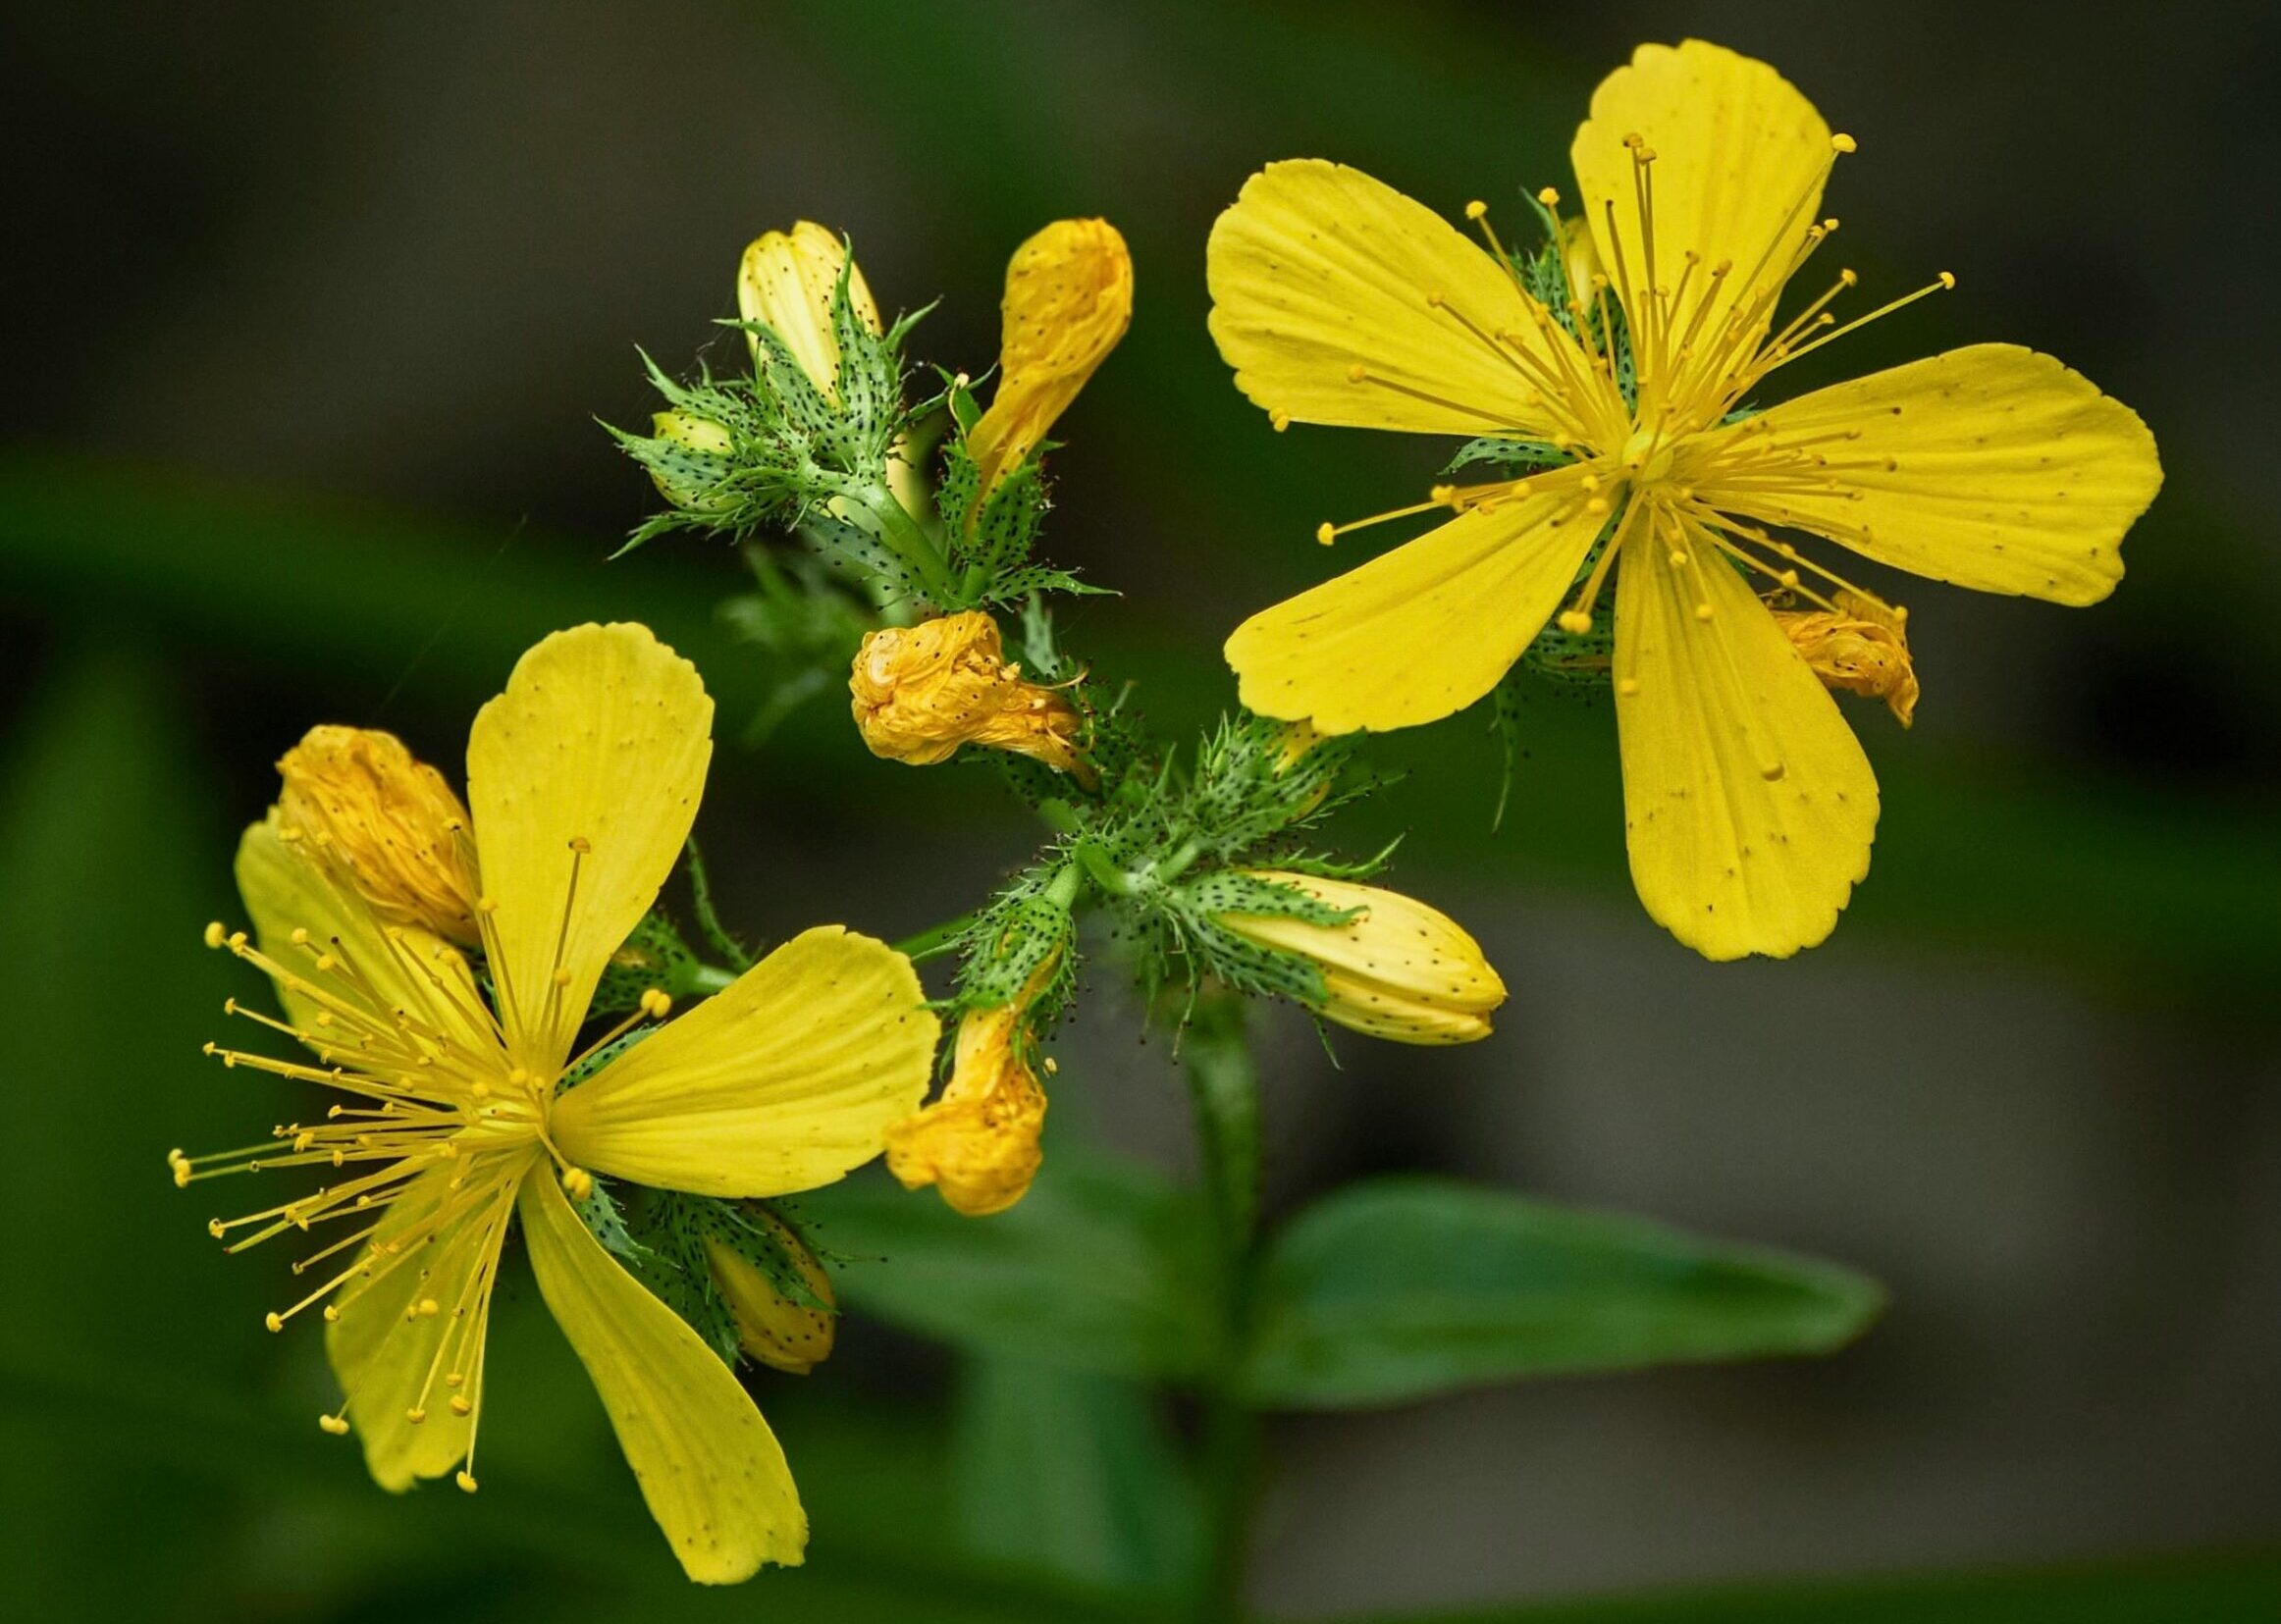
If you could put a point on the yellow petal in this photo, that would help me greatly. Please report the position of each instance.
(1419, 633)
(1319, 272)
(1992, 467)
(711, 1470)
(1069, 298)
(782, 1082)
(384, 1351)
(1739, 161)
(285, 891)
(600, 741)
(785, 281)
(1748, 804)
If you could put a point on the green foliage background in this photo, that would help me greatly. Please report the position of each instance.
(315, 317)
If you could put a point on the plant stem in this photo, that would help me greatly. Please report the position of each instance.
(931, 941)
(1224, 1088)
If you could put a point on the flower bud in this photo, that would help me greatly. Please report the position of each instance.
(386, 824)
(1069, 298)
(1861, 647)
(786, 282)
(688, 481)
(920, 692)
(1580, 260)
(770, 1327)
(1398, 969)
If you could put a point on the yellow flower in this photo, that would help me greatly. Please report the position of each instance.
(785, 283)
(1398, 969)
(771, 1328)
(387, 825)
(1861, 647)
(977, 1143)
(1748, 803)
(920, 692)
(1069, 298)
(584, 777)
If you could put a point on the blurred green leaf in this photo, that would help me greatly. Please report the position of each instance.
(1072, 1473)
(1097, 1269)
(1405, 1288)
(2204, 1589)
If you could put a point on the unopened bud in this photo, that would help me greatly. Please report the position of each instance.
(1397, 970)
(786, 282)
(777, 1331)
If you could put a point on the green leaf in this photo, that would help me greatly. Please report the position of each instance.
(1406, 1287)
(1072, 1474)
(1101, 1267)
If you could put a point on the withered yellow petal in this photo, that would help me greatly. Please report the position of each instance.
(584, 779)
(1748, 804)
(1993, 467)
(785, 281)
(1739, 161)
(407, 967)
(385, 1351)
(712, 1472)
(782, 1082)
(1069, 298)
(1337, 299)
(1419, 633)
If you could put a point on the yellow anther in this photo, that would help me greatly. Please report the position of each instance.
(1437, 298)
(1443, 493)
(657, 1003)
(1052, 1066)
(561, 976)
(1550, 198)
(1678, 559)
(487, 905)
(1326, 532)
(1703, 611)
(1949, 279)
(1476, 209)
(466, 1480)
(429, 1308)
(274, 1320)
(215, 934)
(331, 1315)
(1596, 506)
(336, 1425)
(300, 936)
(1279, 420)
(416, 1415)
(460, 1404)
(1356, 373)
(577, 1184)
(216, 1228)
(581, 844)
(1841, 143)
(1627, 686)
(1576, 622)
(237, 940)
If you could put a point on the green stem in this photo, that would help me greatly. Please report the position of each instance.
(1224, 1088)
(935, 939)
(696, 979)
(903, 534)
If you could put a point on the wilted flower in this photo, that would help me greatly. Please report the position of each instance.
(979, 1142)
(1397, 970)
(1069, 298)
(1860, 646)
(1749, 806)
(385, 825)
(462, 1115)
(920, 692)
(772, 1328)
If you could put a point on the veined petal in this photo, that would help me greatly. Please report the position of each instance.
(1419, 633)
(590, 764)
(1321, 279)
(1739, 161)
(407, 967)
(390, 1358)
(1992, 467)
(1748, 803)
(712, 1472)
(785, 281)
(782, 1082)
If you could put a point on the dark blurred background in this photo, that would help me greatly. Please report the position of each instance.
(312, 312)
